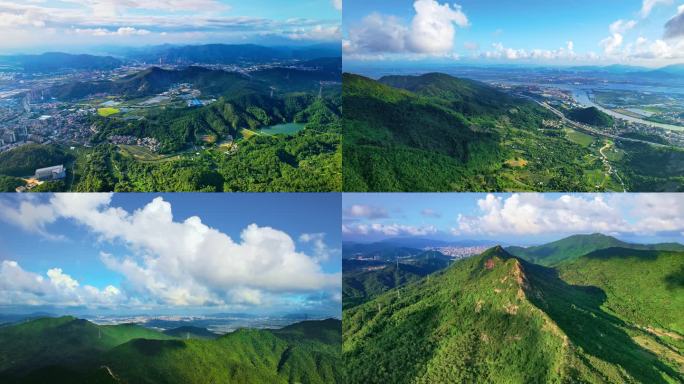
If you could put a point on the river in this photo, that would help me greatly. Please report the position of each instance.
(582, 97)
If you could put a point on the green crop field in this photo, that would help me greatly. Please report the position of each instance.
(106, 112)
(578, 137)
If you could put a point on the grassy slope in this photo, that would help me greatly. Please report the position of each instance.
(494, 318)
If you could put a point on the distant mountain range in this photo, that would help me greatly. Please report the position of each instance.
(169, 54)
(231, 53)
(609, 315)
(70, 350)
(57, 61)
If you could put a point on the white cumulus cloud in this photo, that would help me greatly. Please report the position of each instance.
(432, 31)
(187, 262)
(18, 286)
(532, 214)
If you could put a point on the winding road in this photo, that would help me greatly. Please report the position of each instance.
(611, 171)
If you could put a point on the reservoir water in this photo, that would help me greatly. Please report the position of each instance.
(286, 129)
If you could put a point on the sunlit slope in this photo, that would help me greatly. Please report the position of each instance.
(244, 356)
(436, 132)
(498, 319)
(572, 247)
(61, 340)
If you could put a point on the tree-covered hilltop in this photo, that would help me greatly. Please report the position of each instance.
(573, 247)
(496, 318)
(68, 350)
(363, 282)
(592, 116)
(24, 160)
(182, 128)
(435, 132)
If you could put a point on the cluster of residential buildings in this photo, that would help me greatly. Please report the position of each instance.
(148, 142)
(48, 123)
(458, 252)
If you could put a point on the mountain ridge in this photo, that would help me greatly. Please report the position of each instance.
(498, 318)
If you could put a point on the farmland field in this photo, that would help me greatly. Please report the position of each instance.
(578, 137)
(106, 112)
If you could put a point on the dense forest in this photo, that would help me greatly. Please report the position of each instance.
(70, 350)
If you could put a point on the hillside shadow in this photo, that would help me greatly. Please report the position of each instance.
(675, 280)
(155, 347)
(623, 253)
(577, 311)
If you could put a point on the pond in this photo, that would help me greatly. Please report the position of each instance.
(286, 129)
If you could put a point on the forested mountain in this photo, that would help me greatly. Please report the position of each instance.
(591, 116)
(57, 61)
(155, 80)
(499, 319)
(68, 350)
(231, 53)
(575, 246)
(364, 280)
(435, 132)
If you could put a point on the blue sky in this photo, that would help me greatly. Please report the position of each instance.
(258, 253)
(523, 31)
(520, 219)
(34, 26)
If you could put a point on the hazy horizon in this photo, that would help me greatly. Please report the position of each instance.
(69, 26)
